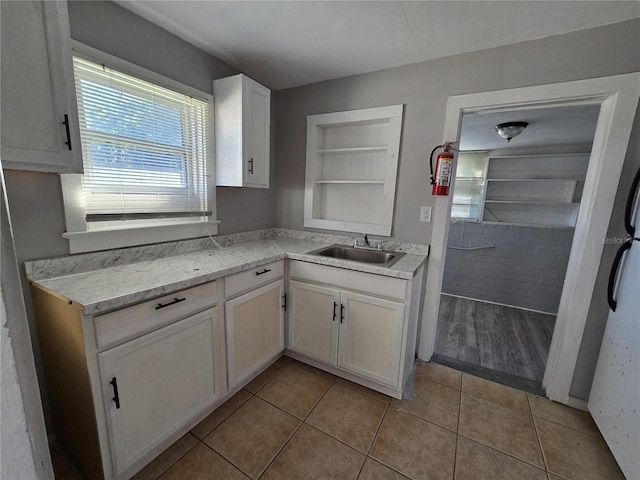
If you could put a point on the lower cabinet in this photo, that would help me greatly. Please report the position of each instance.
(155, 383)
(255, 330)
(357, 333)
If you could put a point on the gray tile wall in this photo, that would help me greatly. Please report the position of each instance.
(525, 268)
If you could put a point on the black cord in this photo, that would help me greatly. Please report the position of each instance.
(431, 160)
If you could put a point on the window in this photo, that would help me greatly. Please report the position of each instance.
(147, 158)
(469, 187)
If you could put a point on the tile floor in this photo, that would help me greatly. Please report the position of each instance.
(297, 422)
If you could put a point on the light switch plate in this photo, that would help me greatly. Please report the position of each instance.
(425, 214)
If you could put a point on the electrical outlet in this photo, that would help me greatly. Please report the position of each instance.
(425, 214)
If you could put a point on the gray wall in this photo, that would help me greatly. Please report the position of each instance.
(526, 267)
(424, 88)
(35, 199)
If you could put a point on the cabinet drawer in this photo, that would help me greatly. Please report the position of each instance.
(243, 281)
(350, 279)
(114, 327)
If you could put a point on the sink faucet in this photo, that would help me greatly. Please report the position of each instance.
(366, 244)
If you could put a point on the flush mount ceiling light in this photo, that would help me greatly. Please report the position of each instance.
(509, 130)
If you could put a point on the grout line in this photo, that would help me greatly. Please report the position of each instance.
(455, 451)
(375, 435)
(280, 450)
(535, 429)
(505, 453)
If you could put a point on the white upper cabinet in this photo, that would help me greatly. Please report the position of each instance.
(352, 164)
(242, 125)
(39, 113)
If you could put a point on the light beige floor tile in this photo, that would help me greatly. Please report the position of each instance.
(414, 447)
(295, 390)
(167, 458)
(506, 429)
(312, 455)
(285, 361)
(373, 470)
(202, 463)
(261, 380)
(434, 402)
(439, 373)
(567, 416)
(509, 397)
(575, 455)
(316, 371)
(349, 416)
(252, 436)
(555, 477)
(206, 426)
(475, 461)
(367, 391)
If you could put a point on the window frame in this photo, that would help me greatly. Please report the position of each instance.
(118, 234)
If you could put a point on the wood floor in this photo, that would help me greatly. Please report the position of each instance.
(506, 339)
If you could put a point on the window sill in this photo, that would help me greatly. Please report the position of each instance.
(96, 240)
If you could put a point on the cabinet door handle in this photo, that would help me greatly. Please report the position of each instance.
(116, 397)
(175, 300)
(284, 300)
(66, 127)
(341, 313)
(251, 165)
(335, 305)
(266, 270)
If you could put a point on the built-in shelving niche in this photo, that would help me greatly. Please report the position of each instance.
(352, 164)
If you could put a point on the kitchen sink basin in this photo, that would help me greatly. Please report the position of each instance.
(343, 252)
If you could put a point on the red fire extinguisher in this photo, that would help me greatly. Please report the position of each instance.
(444, 167)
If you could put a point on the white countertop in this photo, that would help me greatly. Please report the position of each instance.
(104, 289)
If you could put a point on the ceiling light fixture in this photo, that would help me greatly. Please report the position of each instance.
(509, 130)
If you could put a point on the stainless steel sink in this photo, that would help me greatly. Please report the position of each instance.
(343, 252)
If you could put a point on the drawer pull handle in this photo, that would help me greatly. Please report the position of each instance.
(266, 270)
(175, 300)
(341, 313)
(251, 165)
(116, 397)
(284, 304)
(335, 305)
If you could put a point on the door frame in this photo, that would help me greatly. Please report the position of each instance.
(618, 98)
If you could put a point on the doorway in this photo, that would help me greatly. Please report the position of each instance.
(618, 97)
(514, 209)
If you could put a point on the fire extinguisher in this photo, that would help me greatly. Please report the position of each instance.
(444, 167)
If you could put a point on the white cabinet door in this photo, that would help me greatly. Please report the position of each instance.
(38, 92)
(255, 330)
(162, 379)
(314, 320)
(258, 101)
(242, 125)
(370, 342)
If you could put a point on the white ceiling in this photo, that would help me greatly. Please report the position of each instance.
(290, 43)
(548, 127)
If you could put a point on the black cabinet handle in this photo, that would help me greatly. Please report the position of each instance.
(175, 300)
(284, 300)
(614, 273)
(116, 397)
(266, 270)
(251, 165)
(335, 305)
(66, 126)
(341, 313)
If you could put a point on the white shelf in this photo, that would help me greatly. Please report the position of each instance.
(535, 189)
(338, 151)
(533, 202)
(352, 163)
(351, 182)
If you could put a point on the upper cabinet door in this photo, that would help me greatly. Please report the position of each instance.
(242, 125)
(39, 112)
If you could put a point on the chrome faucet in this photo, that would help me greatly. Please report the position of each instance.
(366, 244)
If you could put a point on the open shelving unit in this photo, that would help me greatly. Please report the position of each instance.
(535, 189)
(352, 163)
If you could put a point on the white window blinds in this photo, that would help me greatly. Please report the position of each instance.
(145, 148)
